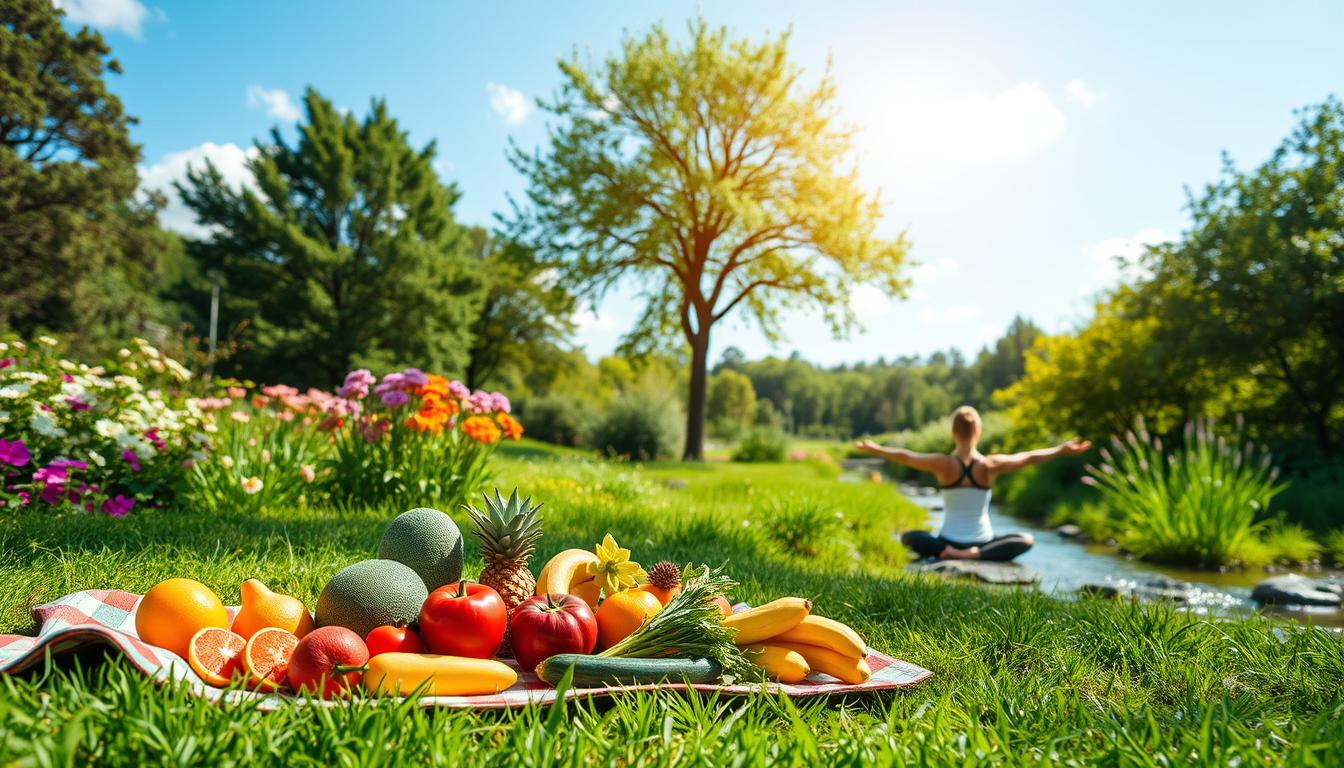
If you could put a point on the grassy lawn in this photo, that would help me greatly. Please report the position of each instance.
(1020, 678)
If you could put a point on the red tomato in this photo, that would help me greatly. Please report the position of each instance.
(463, 619)
(393, 638)
(545, 625)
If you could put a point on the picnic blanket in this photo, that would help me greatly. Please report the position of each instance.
(107, 617)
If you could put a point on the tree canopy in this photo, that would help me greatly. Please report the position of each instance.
(714, 177)
(345, 253)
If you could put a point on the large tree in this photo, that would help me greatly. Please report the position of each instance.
(77, 252)
(345, 253)
(714, 177)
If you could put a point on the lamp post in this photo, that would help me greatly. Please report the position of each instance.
(214, 321)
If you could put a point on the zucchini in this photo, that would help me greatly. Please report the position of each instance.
(595, 671)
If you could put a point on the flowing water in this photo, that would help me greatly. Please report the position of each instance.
(1066, 565)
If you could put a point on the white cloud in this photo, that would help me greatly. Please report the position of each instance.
(924, 273)
(868, 302)
(1080, 94)
(957, 314)
(1104, 254)
(230, 159)
(123, 15)
(275, 101)
(587, 320)
(925, 129)
(508, 103)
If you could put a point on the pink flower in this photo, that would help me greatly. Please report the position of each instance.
(213, 403)
(118, 506)
(130, 458)
(14, 453)
(357, 383)
(458, 390)
(414, 377)
(395, 398)
(240, 416)
(6, 362)
(153, 437)
(392, 382)
(481, 401)
(501, 402)
(77, 405)
(279, 391)
(236, 392)
(307, 473)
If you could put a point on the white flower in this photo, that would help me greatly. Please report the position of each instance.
(108, 428)
(43, 424)
(226, 461)
(97, 458)
(123, 353)
(47, 340)
(251, 485)
(14, 391)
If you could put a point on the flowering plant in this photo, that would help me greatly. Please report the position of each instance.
(266, 450)
(94, 437)
(412, 438)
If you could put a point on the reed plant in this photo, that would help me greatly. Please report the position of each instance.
(1204, 502)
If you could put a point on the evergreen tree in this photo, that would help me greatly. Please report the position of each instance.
(345, 254)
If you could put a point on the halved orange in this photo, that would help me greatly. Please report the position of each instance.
(266, 657)
(217, 655)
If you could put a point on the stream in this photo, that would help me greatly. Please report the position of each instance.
(1066, 565)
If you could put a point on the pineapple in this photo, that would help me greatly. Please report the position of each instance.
(508, 531)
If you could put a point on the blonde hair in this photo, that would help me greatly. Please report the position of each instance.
(965, 422)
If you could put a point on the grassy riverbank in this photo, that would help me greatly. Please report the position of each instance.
(1020, 678)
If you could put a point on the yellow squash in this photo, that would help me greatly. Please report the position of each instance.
(844, 668)
(767, 621)
(827, 633)
(783, 664)
(400, 674)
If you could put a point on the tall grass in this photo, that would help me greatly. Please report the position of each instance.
(1202, 503)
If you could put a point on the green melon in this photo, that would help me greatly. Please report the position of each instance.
(429, 542)
(369, 594)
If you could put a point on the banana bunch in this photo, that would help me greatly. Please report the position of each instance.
(789, 643)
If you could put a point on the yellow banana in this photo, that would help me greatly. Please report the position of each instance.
(565, 571)
(766, 621)
(783, 664)
(392, 674)
(845, 668)
(827, 633)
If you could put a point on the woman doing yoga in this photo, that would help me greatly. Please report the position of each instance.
(965, 477)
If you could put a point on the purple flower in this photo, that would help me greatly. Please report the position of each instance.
(392, 382)
(118, 506)
(14, 453)
(131, 459)
(78, 405)
(458, 390)
(395, 398)
(414, 377)
(357, 383)
(481, 401)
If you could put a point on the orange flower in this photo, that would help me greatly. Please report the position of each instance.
(436, 386)
(482, 429)
(511, 427)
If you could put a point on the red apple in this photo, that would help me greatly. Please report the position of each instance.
(545, 625)
(327, 662)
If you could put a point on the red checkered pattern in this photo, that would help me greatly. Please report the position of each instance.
(107, 617)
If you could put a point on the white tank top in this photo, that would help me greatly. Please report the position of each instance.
(966, 515)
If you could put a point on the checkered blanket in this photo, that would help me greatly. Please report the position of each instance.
(107, 617)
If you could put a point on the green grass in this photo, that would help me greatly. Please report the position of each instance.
(1021, 678)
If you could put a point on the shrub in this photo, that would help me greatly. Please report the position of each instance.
(1200, 504)
(556, 419)
(1334, 546)
(761, 444)
(422, 439)
(801, 527)
(638, 426)
(1290, 544)
(97, 438)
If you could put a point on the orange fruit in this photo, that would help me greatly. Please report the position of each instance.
(623, 613)
(263, 608)
(216, 655)
(173, 611)
(266, 657)
(725, 607)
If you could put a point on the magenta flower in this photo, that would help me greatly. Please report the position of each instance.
(77, 405)
(153, 437)
(14, 453)
(357, 383)
(131, 459)
(414, 377)
(118, 506)
(458, 390)
(395, 398)
(67, 378)
(6, 362)
(501, 402)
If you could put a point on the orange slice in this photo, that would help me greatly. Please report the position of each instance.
(266, 657)
(216, 655)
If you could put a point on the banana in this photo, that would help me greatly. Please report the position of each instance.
(845, 668)
(827, 633)
(588, 591)
(766, 621)
(565, 571)
(783, 664)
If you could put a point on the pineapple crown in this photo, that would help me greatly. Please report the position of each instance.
(506, 528)
(665, 575)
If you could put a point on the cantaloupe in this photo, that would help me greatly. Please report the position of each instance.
(428, 542)
(369, 594)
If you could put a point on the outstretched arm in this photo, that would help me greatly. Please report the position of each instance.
(1003, 463)
(925, 462)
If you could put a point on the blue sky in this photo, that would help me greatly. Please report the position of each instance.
(1020, 144)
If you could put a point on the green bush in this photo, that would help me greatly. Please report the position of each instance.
(638, 426)
(1202, 503)
(761, 444)
(555, 419)
(1334, 546)
(801, 527)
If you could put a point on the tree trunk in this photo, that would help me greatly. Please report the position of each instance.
(697, 403)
